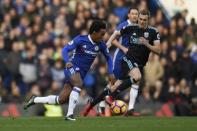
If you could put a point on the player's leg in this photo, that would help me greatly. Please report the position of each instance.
(64, 94)
(117, 70)
(101, 108)
(91, 103)
(136, 74)
(106, 92)
(108, 99)
(100, 98)
(51, 99)
(76, 81)
(129, 68)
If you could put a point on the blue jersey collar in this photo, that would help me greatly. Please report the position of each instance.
(129, 22)
(90, 39)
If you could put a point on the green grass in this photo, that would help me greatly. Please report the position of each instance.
(99, 124)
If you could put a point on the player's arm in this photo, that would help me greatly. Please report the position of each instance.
(155, 48)
(112, 40)
(67, 48)
(105, 52)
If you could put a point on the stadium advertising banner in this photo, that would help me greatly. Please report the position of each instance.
(173, 6)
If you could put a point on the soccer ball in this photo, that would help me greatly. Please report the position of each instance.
(118, 107)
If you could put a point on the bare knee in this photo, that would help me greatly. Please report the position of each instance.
(136, 77)
(77, 81)
(62, 100)
(135, 74)
(64, 94)
(78, 84)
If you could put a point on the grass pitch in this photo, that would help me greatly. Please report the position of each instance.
(99, 124)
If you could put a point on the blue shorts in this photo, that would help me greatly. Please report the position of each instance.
(117, 69)
(70, 71)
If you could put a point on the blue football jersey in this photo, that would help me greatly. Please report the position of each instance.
(85, 51)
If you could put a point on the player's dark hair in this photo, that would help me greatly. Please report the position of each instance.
(132, 8)
(145, 12)
(96, 26)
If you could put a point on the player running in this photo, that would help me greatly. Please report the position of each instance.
(142, 39)
(86, 48)
(132, 19)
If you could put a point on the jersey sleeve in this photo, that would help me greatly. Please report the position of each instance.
(105, 52)
(156, 36)
(127, 29)
(120, 26)
(69, 47)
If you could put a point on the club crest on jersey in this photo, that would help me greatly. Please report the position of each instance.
(70, 43)
(96, 48)
(84, 46)
(134, 33)
(146, 34)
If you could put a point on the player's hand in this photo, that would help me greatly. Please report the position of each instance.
(69, 65)
(112, 79)
(125, 50)
(143, 41)
(108, 45)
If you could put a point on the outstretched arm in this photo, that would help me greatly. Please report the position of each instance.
(112, 40)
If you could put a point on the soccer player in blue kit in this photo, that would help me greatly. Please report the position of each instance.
(86, 48)
(117, 69)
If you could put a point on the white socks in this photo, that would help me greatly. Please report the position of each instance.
(133, 95)
(102, 104)
(73, 100)
(52, 99)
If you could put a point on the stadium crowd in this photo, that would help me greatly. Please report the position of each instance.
(33, 32)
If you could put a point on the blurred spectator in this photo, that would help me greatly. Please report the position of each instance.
(153, 70)
(3, 92)
(58, 73)
(14, 96)
(157, 92)
(186, 66)
(13, 60)
(28, 66)
(35, 90)
(120, 10)
(172, 68)
(194, 97)
(54, 89)
(168, 90)
(44, 74)
(3, 55)
(182, 99)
